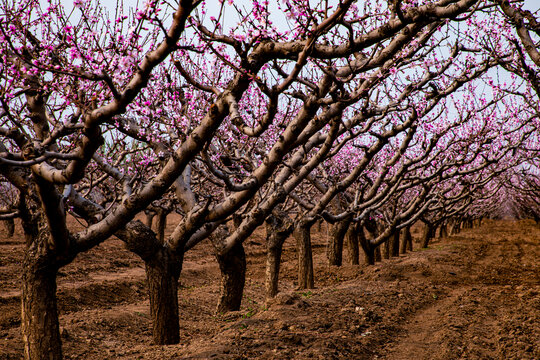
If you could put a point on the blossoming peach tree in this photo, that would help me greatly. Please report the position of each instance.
(226, 110)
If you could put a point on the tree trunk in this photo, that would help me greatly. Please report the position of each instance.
(395, 243)
(406, 239)
(273, 262)
(161, 223)
(319, 225)
(233, 276)
(10, 227)
(334, 249)
(305, 257)
(369, 250)
(149, 214)
(163, 267)
(39, 318)
(455, 228)
(352, 244)
(278, 229)
(443, 231)
(162, 273)
(429, 232)
(386, 248)
(378, 255)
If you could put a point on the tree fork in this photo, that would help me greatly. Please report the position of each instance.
(163, 268)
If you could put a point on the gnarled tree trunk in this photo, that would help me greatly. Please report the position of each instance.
(429, 233)
(406, 240)
(233, 275)
(162, 273)
(443, 231)
(39, 318)
(149, 217)
(278, 229)
(378, 255)
(10, 227)
(334, 249)
(386, 248)
(305, 257)
(394, 238)
(352, 243)
(367, 247)
(161, 223)
(163, 267)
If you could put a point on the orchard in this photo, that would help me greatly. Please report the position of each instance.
(189, 125)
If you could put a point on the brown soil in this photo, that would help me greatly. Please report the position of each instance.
(475, 295)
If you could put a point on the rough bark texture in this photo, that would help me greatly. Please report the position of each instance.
(39, 317)
(163, 267)
(149, 217)
(334, 249)
(378, 256)
(305, 257)
(161, 222)
(406, 240)
(10, 227)
(278, 228)
(455, 228)
(352, 244)
(233, 275)
(369, 250)
(386, 248)
(443, 231)
(162, 273)
(429, 233)
(395, 243)
(42, 259)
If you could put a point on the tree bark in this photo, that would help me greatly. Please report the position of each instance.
(455, 228)
(386, 248)
(149, 217)
(429, 233)
(233, 275)
(10, 227)
(163, 268)
(161, 223)
(367, 247)
(319, 225)
(352, 244)
(39, 318)
(406, 239)
(278, 229)
(334, 249)
(395, 243)
(305, 257)
(162, 273)
(443, 231)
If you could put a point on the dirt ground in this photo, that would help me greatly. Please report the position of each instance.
(475, 295)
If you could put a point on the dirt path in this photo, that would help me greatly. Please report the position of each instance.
(492, 312)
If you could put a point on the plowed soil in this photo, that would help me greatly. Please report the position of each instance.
(475, 295)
